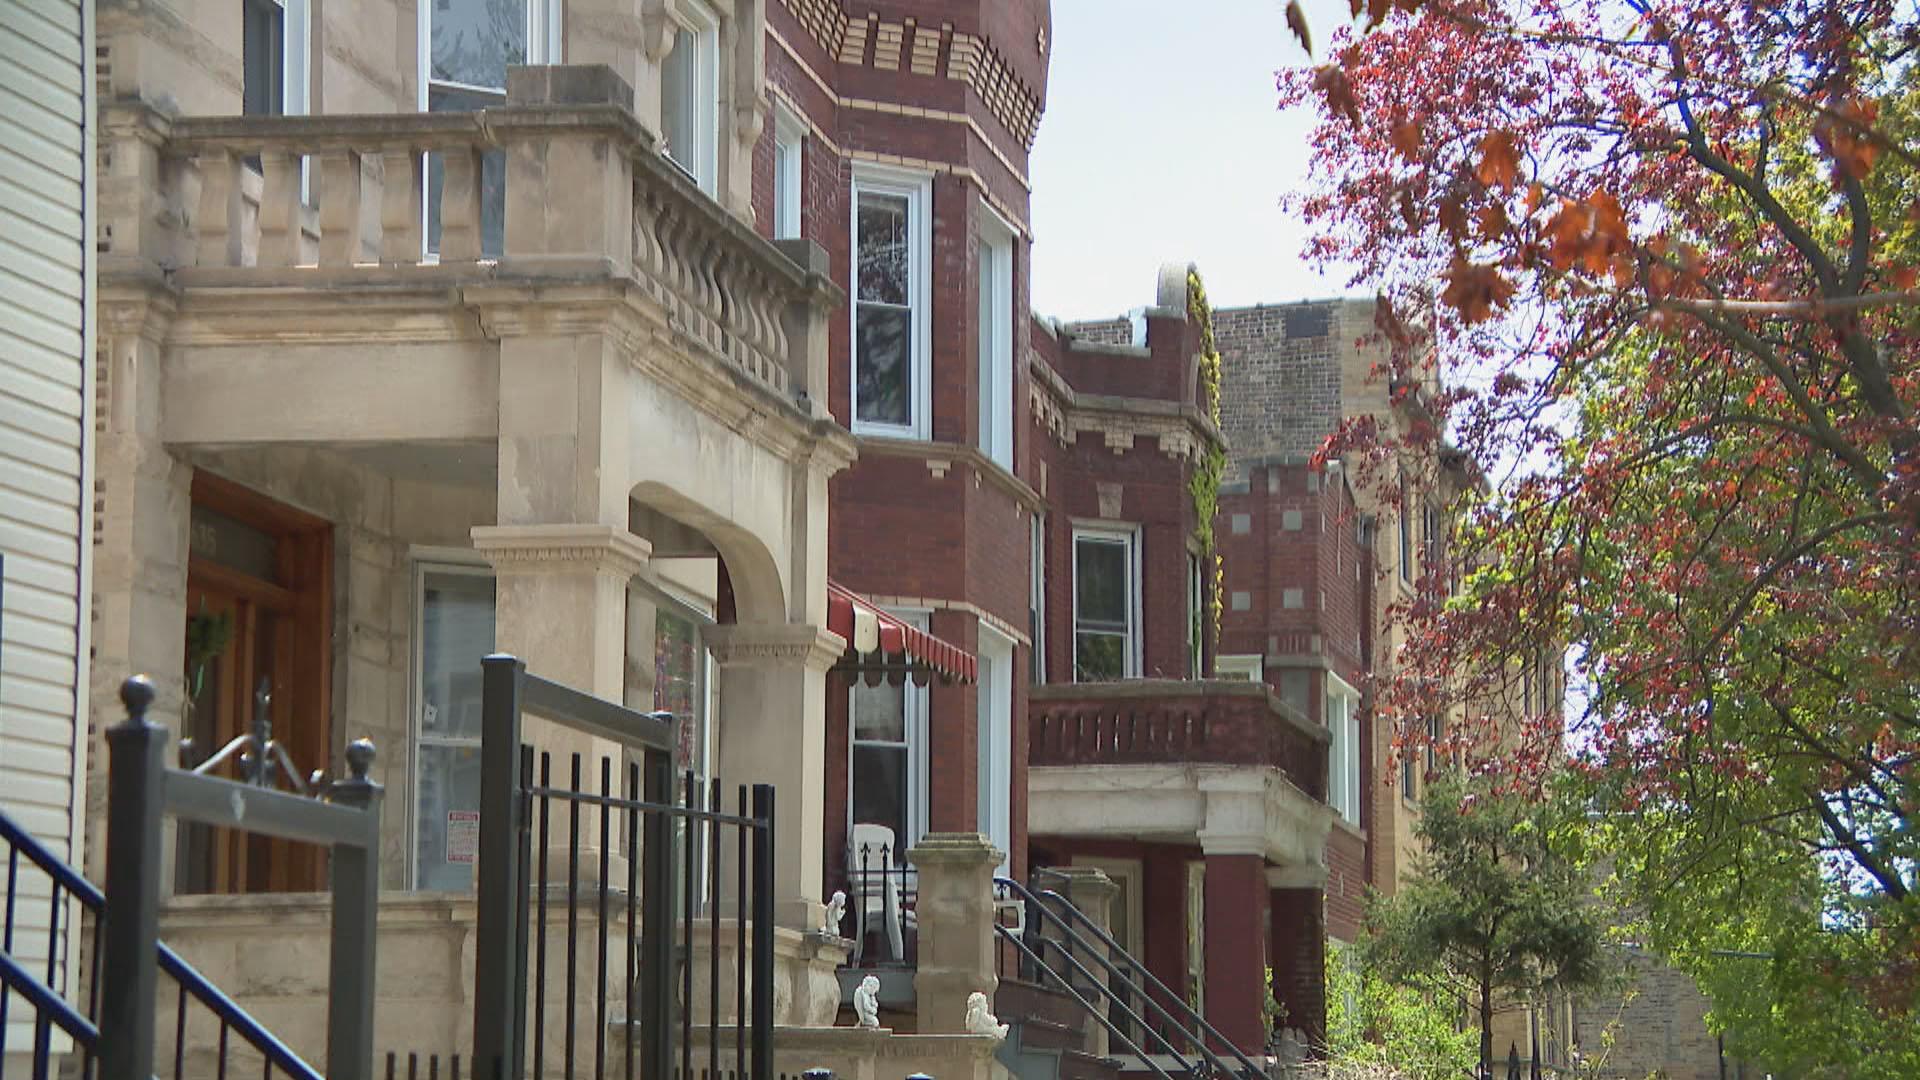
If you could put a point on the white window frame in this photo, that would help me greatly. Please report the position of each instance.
(702, 162)
(453, 562)
(789, 176)
(996, 370)
(1343, 753)
(544, 46)
(994, 713)
(296, 65)
(1406, 533)
(916, 713)
(1037, 593)
(1196, 617)
(1130, 536)
(917, 188)
(1250, 667)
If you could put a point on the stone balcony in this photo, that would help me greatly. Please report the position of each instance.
(1171, 721)
(1175, 761)
(344, 201)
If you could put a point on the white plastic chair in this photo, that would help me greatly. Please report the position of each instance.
(876, 882)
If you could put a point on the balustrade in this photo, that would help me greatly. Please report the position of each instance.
(252, 199)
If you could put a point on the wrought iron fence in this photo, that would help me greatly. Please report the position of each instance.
(882, 895)
(690, 864)
(113, 1030)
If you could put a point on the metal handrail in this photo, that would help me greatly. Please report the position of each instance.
(1113, 948)
(21, 981)
(230, 1012)
(55, 867)
(1113, 1030)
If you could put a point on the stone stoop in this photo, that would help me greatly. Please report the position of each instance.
(1047, 1036)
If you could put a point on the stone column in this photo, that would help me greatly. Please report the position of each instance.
(772, 730)
(141, 543)
(1094, 894)
(955, 912)
(561, 605)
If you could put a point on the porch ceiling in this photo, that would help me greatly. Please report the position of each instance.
(465, 464)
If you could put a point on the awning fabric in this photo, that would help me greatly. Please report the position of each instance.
(880, 646)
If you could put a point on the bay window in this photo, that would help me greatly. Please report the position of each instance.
(1343, 755)
(996, 341)
(891, 379)
(994, 701)
(1106, 601)
(690, 94)
(466, 47)
(453, 629)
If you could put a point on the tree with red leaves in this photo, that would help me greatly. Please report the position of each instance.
(1664, 253)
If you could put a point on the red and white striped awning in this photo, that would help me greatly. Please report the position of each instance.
(880, 646)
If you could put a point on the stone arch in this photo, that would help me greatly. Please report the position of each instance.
(759, 588)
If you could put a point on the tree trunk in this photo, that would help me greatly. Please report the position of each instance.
(1486, 1025)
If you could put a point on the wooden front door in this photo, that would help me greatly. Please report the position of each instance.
(258, 617)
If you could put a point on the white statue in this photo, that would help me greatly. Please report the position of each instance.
(980, 1019)
(866, 1002)
(836, 910)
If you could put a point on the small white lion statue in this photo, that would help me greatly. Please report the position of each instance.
(980, 1019)
(866, 1002)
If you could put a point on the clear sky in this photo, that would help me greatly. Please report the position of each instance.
(1163, 142)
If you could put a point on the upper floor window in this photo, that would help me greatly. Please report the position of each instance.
(274, 57)
(1106, 602)
(891, 379)
(1343, 754)
(1406, 533)
(996, 340)
(690, 94)
(1037, 599)
(466, 47)
(1196, 618)
(789, 142)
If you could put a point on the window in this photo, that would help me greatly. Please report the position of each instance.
(1239, 668)
(273, 64)
(1433, 744)
(887, 759)
(465, 49)
(274, 57)
(996, 340)
(682, 676)
(454, 629)
(1037, 599)
(1196, 619)
(1406, 533)
(789, 141)
(1343, 755)
(1197, 936)
(995, 746)
(690, 94)
(1433, 547)
(1105, 605)
(1408, 774)
(891, 381)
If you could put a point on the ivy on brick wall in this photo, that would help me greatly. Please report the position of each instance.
(1204, 485)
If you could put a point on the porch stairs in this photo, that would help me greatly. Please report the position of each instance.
(1072, 976)
(42, 1019)
(1047, 1034)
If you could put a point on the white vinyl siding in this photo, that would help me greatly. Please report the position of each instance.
(45, 418)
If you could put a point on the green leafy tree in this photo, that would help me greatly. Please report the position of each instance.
(1499, 906)
(1378, 1027)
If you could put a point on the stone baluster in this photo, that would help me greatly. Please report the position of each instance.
(400, 213)
(279, 208)
(217, 218)
(341, 237)
(460, 205)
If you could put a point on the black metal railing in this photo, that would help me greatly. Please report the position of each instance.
(1059, 945)
(113, 1029)
(882, 893)
(690, 864)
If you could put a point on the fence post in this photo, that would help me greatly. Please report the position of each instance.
(497, 993)
(131, 922)
(656, 921)
(356, 919)
(763, 888)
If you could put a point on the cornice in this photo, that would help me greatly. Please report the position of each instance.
(540, 549)
(776, 644)
(1180, 429)
(946, 455)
